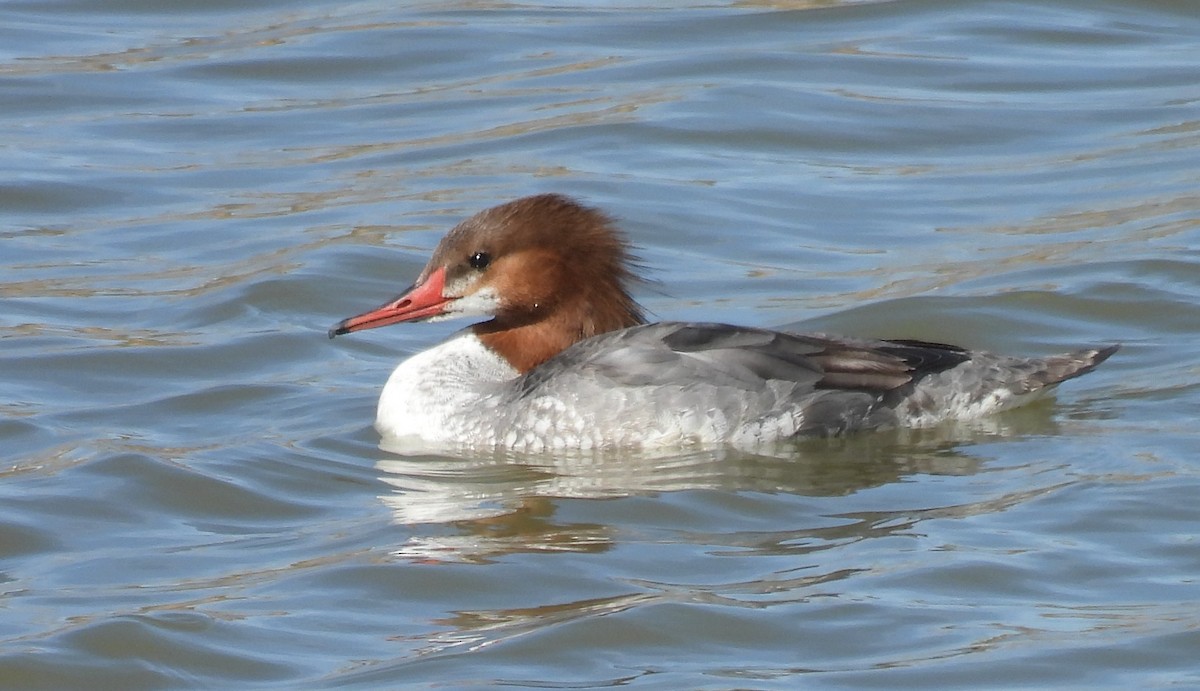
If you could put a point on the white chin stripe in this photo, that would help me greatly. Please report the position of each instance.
(483, 303)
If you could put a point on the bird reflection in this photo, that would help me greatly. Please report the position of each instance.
(505, 502)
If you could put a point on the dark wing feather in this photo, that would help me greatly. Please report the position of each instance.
(884, 366)
(671, 353)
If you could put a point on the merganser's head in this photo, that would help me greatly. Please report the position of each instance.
(544, 267)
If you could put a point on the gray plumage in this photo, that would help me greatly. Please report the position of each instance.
(755, 385)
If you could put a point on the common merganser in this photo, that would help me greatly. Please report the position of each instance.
(566, 360)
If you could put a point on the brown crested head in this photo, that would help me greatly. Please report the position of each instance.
(547, 270)
(558, 272)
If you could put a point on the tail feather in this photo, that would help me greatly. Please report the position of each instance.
(1059, 368)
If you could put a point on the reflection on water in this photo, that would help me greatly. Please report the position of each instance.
(190, 492)
(505, 502)
(492, 508)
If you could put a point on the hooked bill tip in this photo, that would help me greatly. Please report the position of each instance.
(338, 329)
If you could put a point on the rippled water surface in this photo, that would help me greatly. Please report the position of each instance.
(191, 494)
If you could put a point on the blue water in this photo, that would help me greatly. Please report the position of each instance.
(192, 496)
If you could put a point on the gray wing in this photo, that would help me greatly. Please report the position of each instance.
(668, 353)
(822, 385)
(780, 384)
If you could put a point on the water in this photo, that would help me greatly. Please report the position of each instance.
(191, 494)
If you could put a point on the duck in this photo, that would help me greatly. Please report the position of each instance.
(561, 356)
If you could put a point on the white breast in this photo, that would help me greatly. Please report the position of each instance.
(443, 394)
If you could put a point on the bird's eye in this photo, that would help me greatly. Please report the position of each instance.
(480, 260)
